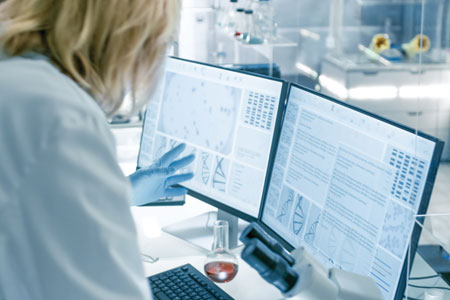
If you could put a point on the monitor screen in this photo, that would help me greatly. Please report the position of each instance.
(228, 119)
(346, 185)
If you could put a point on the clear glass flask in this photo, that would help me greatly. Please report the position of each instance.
(254, 35)
(240, 25)
(221, 7)
(221, 265)
(248, 19)
(263, 19)
(230, 18)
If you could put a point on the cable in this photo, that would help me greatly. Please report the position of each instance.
(149, 259)
(429, 287)
(411, 298)
(424, 277)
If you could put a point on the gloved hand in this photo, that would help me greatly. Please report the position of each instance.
(155, 182)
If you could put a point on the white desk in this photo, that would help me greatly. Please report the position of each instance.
(172, 251)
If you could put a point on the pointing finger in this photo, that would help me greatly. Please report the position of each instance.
(172, 180)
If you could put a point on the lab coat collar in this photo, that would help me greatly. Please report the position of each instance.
(29, 54)
(35, 56)
(3, 56)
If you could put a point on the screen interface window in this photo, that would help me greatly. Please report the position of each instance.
(226, 118)
(346, 186)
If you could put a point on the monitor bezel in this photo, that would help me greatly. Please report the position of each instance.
(275, 137)
(424, 201)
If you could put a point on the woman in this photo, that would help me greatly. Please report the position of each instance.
(65, 227)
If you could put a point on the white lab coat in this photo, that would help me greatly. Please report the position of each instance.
(66, 231)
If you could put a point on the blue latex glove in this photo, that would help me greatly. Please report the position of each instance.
(155, 182)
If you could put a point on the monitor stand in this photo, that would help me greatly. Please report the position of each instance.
(199, 229)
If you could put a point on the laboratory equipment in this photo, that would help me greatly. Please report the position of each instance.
(272, 70)
(420, 43)
(220, 11)
(380, 42)
(346, 185)
(221, 265)
(248, 19)
(229, 119)
(373, 55)
(263, 20)
(412, 89)
(240, 24)
(300, 275)
(230, 18)
(254, 34)
(438, 258)
(184, 282)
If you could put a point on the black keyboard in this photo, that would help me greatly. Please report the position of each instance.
(183, 283)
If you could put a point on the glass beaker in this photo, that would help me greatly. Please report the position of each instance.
(221, 265)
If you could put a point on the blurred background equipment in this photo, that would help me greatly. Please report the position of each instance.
(318, 44)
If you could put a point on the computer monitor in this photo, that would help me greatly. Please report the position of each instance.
(346, 185)
(229, 119)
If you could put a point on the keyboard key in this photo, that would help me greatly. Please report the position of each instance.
(162, 296)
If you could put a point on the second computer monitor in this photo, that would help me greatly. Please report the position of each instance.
(346, 185)
(228, 119)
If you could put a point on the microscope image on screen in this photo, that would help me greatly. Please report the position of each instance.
(226, 119)
(208, 104)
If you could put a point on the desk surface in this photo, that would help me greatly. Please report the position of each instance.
(172, 252)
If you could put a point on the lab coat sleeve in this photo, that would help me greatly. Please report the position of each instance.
(78, 224)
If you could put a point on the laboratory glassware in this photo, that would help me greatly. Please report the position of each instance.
(220, 264)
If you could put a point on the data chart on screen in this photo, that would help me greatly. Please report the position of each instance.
(346, 186)
(226, 118)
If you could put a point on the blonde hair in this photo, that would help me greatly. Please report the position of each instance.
(106, 46)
